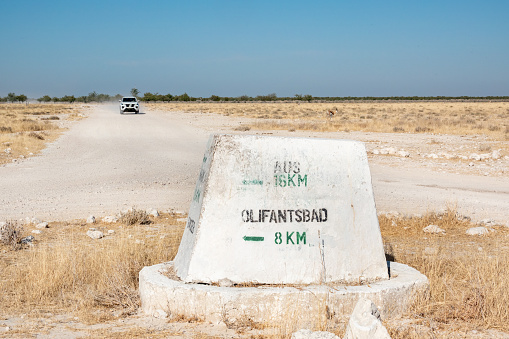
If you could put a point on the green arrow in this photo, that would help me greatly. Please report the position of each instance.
(246, 238)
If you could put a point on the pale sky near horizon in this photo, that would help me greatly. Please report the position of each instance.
(232, 48)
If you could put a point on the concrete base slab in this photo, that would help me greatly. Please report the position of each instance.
(271, 305)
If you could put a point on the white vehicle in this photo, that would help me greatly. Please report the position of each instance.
(129, 104)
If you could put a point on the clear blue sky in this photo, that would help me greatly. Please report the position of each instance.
(232, 48)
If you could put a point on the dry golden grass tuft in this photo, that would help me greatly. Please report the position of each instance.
(25, 129)
(489, 118)
(468, 275)
(135, 216)
(67, 270)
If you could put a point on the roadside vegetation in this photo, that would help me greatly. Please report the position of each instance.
(25, 129)
(457, 118)
(65, 271)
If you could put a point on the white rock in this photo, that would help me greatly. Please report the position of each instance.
(225, 283)
(488, 222)
(111, 232)
(485, 156)
(95, 234)
(471, 164)
(404, 154)
(495, 155)
(8, 151)
(91, 219)
(434, 229)
(36, 231)
(478, 231)
(110, 219)
(308, 334)
(375, 151)
(160, 314)
(153, 212)
(42, 225)
(388, 150)
(475, 156)
(365, 322)
(433, 156)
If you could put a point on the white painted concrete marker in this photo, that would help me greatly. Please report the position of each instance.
(278, 210)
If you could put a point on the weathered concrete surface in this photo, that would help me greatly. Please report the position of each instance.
(282, 210)
(307, 305)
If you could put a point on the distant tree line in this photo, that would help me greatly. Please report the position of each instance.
(12, 97)
(306, 97)
(91, 97)
(148, 97)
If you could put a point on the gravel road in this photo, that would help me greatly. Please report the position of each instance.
(109, 162)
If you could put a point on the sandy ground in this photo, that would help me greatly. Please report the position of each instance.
(108, 162)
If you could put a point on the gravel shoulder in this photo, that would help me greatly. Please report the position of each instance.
(108, 162)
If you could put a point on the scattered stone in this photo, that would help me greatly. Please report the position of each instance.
(36, 231)
(365, 322)
(433, 229)
(388, 150)
(475, 156)
(153, 212)
(91, 219)
(495, 155)
(225, 283)
(488, 222)
(485, 156)
(404, 154)
(138, 241)
(27, 240)
(111, 232)
(34, 221)
(471, 164)
(95, 234)
(160, 314)
(110, 219)
(433, 156)
(478, 231)
(42, 225)
(308, 334)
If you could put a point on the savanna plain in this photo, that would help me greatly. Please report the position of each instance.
(65, 284)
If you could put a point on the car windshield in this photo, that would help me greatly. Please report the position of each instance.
(128, 99)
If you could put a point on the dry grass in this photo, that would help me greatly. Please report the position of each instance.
(134, 216)
(11, 234)
(489, 118)
(468, 275)
(67, 270)
(24, 130)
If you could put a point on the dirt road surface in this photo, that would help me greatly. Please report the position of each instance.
(109, 162)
